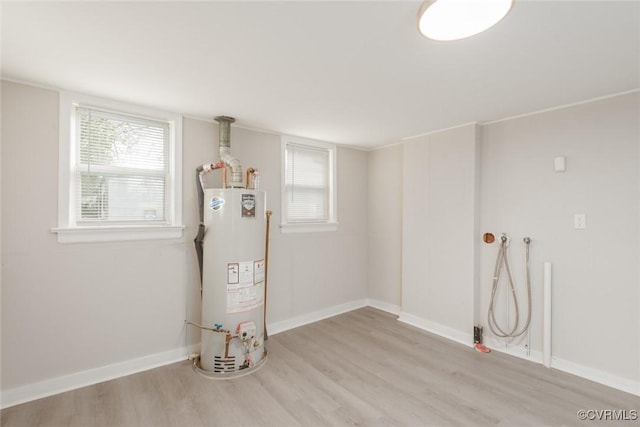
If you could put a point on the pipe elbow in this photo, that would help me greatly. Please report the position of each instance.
(234, 165)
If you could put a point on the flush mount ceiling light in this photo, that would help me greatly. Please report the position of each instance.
(457, 19)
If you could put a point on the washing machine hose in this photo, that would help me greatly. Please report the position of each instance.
(502, 260)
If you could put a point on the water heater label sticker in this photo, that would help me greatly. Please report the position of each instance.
(233, 273)
(248, 205)
(246, 273)
(240, 274)
(216, 203)
(244, 299)
(244, 292)
(258, 268)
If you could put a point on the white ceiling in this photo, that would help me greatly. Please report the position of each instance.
(349, 72)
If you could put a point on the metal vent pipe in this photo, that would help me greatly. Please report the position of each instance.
(224, 123)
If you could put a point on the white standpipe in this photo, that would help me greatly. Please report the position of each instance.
(546, 319)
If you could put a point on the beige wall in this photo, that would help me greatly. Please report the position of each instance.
(596, 295)
(68, 309)
(596, 291)
(385, 228)
(71, 308)
(438, 222)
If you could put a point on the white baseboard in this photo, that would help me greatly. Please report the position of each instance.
(436, 328)
(384, 306)
(520, 351)
(33, 391)
(29, 392)
(596, 375)
(304, 319)
(496, 344)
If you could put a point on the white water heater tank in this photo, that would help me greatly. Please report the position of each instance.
(233, 284)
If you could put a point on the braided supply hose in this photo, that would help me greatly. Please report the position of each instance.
(503, 261)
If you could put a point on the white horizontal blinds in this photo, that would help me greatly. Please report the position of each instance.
(121, 169)
(307, 184)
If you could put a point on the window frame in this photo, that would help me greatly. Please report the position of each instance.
(331, 224)
(68, 230)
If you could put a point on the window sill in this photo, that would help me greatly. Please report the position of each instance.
(308, 228)
(117, 233)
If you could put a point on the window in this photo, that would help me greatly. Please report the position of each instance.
(120, 174)
(308, 185)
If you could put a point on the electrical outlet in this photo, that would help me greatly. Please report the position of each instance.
(477, 334)
(580, 221)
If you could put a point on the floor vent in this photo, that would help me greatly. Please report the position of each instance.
(220, 364)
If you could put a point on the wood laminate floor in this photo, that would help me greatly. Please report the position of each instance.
(359, 368)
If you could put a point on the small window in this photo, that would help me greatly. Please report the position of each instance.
(122, 169)
(119, 172)
(309, 193)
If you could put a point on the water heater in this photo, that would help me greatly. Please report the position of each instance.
(232, 254)
(233, 280)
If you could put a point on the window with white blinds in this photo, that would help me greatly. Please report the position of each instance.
(308, 184)
(122, 170)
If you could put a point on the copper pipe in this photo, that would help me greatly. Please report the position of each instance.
(220, 330)
(488, 238)
(227, 340)
(249, 185)
(224, 176)
(266, 276)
